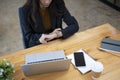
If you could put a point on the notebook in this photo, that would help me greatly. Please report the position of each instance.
(110, 45)
(45, 62)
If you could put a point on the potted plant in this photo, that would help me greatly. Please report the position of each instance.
(6, 70)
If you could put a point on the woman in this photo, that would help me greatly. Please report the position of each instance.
(42, 20)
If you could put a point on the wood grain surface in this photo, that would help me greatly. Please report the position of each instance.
(88, 40)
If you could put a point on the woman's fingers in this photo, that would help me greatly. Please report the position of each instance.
(43, 39)
(47, 37)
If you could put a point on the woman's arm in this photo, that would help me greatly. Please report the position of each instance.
(72, 25)
(31, 36)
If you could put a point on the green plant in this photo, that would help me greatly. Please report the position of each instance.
(6, 70)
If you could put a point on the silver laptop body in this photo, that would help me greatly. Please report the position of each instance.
(45, 67)
(57, 62)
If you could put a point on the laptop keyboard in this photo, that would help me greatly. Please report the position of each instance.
(44, 57)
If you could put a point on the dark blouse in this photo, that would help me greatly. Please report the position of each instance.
(33, 33)
(45, 16)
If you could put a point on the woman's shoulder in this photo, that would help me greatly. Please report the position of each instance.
(26, 9)
(59, 6)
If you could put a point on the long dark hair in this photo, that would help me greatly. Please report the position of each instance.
(36, 6)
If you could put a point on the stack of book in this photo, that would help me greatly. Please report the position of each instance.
(110, 45)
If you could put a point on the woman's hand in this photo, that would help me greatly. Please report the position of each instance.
(58, 32)
(50, 37)
(43, 39)
(47, 37)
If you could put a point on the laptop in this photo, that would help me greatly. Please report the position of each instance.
(45, 62)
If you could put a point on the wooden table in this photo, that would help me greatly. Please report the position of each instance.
(88, 40)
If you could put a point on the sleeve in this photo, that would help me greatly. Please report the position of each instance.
(31, 36)
(72, 25)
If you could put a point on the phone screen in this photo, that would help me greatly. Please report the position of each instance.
(79, 59)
